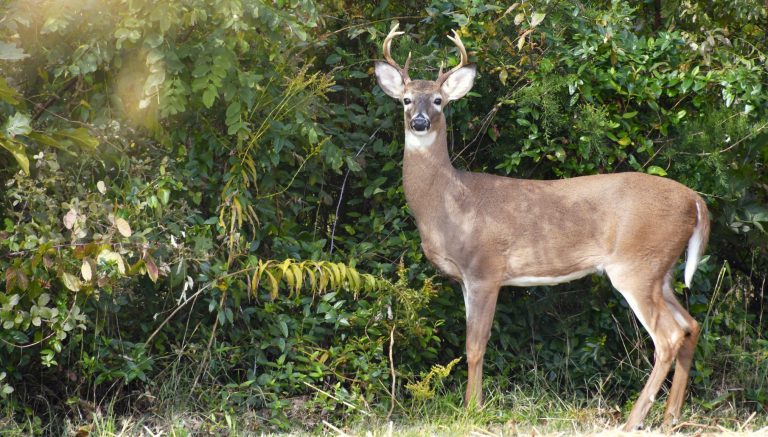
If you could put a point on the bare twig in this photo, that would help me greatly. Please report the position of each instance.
(343, 185)
(207, 354)
(391, 372)
(693, 425)
(335, 398)
(40, 109)
(335, 429)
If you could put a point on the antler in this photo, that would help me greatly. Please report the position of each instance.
(387, 43)
(464, 60)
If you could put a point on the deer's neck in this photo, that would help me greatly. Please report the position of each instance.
(428, 174)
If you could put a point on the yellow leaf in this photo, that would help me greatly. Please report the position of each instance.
(255, 281)
(123, 227)
(284, 265)
(521, 40)
(336, 275)
(325, 276)
(289, 280)
(86, 271)
(354, 279)
(312, 279)
(343, 274)
(274, 284)
(71, 281)
(298, 275)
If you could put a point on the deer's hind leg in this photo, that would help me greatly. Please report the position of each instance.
(643, 290)
(684, 354)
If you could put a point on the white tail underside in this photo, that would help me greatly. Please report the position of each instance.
(694, 249)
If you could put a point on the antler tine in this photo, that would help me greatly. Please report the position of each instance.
(388, 57)
(464, 58)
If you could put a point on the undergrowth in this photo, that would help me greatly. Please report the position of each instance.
(533, 408)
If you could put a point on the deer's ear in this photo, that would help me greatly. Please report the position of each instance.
(390, 80)
(458, 84)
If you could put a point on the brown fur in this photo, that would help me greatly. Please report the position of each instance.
(486, 231)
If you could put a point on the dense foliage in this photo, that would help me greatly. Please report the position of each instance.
(192, 190)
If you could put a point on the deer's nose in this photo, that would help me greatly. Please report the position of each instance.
(420, 123)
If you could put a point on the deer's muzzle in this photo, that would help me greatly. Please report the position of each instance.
(420, 123)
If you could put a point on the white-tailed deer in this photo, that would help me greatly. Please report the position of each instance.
(487, 231)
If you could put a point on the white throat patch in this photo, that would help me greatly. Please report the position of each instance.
(419, 141)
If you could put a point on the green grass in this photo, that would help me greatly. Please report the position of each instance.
(534, 410)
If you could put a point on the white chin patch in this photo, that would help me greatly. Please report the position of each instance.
(419, 141)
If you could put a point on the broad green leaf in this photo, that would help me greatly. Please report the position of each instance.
(43, 299)
(209, 96)
(10, 52)
(17, 124)
(164, 195)
(656, 170)
(79, 137)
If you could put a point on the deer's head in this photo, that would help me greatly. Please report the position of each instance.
(424, 100)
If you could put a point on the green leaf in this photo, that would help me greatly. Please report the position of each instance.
(537, 18)
(17, 149)
(9, 52)
(209, 96)
(164, 195)
(79, 137)
(656, 170)
(8, 94)
(18, 124)
(353, 165)
(107, 256)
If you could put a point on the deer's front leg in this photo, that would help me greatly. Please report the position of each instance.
(480, 301)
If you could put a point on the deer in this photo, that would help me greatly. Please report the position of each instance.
(487, 231)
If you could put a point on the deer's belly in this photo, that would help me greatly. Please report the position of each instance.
(532, 281)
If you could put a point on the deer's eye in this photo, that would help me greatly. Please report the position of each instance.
(406, 101)
(438, 101)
